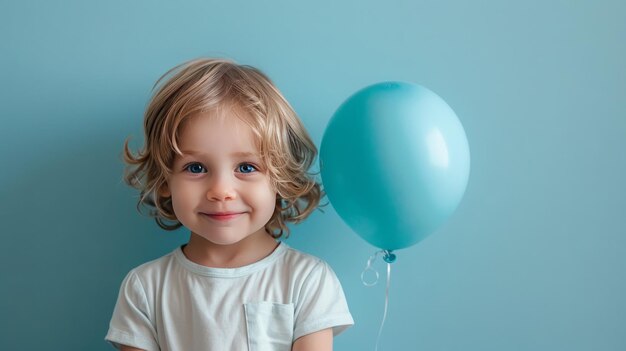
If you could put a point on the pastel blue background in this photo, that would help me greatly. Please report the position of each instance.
(533, 259)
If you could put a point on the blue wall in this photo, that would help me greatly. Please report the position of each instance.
(533, 259)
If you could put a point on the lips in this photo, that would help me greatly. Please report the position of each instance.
(223, 216)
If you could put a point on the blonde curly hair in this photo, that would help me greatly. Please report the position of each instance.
(206, 84)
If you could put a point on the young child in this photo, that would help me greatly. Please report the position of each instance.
(227, 157)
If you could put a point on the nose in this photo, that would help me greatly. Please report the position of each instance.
(221, 188)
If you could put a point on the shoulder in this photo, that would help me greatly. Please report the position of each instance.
(319, 300)
(301, 261)
(152, 271)
(306, 268)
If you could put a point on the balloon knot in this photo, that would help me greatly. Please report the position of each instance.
(389, 256)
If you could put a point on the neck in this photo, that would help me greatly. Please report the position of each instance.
(247, 251)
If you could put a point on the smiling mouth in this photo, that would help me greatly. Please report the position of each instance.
(223, 217)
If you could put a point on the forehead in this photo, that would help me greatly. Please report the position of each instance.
(216, 133)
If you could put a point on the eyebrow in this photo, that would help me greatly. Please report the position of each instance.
(234, 154)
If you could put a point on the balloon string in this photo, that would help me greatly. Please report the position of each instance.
(368, 268)
(380, 330)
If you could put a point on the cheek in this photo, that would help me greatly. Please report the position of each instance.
(265, 198)
(183, 195)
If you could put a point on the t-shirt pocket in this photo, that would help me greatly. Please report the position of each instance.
(270, 326)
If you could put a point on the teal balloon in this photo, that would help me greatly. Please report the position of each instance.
(395, 163)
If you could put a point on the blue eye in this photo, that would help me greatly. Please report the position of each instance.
(195, 168)
(246, 168)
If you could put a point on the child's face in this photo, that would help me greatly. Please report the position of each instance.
(215, 176)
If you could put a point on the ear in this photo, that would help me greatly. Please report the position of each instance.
(164, 190)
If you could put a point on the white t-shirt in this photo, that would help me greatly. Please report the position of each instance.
(174, 304)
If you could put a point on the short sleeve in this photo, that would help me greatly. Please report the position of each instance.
(321, 303)
(132, 323)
